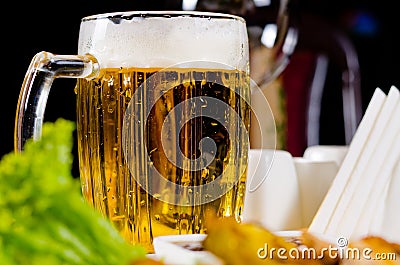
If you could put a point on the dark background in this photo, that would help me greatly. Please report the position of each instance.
(34, 26)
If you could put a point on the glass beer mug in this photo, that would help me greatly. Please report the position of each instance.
(163, 115)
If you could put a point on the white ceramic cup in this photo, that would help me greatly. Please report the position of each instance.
(272, 195)
(326, 153)
(314, 178)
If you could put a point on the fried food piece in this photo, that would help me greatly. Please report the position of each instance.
(320, 246)
(371, 250)
(396, 247)
(246, 243)
(147, 261)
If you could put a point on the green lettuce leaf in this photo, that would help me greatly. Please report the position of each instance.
(43, 217)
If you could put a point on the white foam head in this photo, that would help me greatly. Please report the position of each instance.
(163, 39)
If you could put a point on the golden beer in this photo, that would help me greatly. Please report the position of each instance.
(109, 179)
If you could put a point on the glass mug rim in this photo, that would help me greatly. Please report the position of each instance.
(128, 15)
(216, 37)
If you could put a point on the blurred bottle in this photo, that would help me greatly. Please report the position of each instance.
(272, 41)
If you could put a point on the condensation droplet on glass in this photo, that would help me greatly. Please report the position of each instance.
(204, 102)
(204, 173)
(153, 150)
(127, 81)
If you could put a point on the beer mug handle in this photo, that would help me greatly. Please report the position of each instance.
(42, 71)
